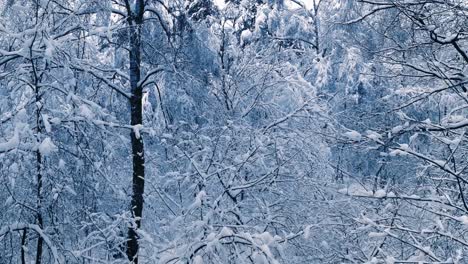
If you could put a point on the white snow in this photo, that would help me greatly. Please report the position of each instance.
(197, 260)
(390, 260)
(463, 219)
(404, 147)
(353, 135)
(55, 120)
(450, 37)
(439, 224)
(441, 163)
(376, 234)
(21, 116)
(373, 135)
(260, 20)
(459, 123)
(225, 232)
(12, 143)
(61, 164)
(246, 37)
(397, 129)
(307, 232)
(374, 260)
(397, 152)
(86, 112)
(356, 189)
(259, 258)
(266, 238)
(198, 199)
(454, 119)
(14, 167)
(70, 190)
(50, 47)
(9, 201)
(45, 119)
(137, 129)
(47, 147)
(380, 193)
(144, 236)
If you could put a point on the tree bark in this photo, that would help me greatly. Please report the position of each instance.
(135, 20)
(39, 159)
(23, 245)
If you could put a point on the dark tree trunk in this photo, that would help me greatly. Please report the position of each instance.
(40, 223)
(36, 82)
(23, 245)
(135, 20)
(39, 219)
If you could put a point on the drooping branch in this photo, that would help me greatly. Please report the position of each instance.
(22, 226)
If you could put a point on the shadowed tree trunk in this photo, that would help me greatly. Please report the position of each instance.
(23, 245)
(135, 20)
(39, 158)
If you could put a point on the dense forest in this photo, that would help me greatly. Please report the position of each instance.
(233, 131)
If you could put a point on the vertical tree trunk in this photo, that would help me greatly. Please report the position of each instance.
(135, 20)
(36, 82)
(40, 223)
(23, 245)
